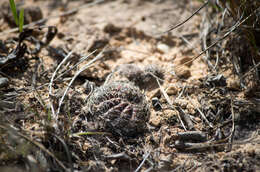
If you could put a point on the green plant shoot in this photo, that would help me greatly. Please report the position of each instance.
(13, 8)
(21, 20)
(18, 21)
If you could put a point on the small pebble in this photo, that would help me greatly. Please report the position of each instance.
(155, 119)
(183, 73)
(3, 82)
(163, 48)
(172, 90)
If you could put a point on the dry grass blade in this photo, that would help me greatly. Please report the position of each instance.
(181, 23)
(56, 70)
(232, 29)
(170, 103)
(253, 68)
(77, 64)
(99, 56)
(201, 113)
(54, 115)
(233, 126)
(142, 163)
(66, 150)
(37, 95)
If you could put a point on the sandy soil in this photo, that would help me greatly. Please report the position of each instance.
(130, 31)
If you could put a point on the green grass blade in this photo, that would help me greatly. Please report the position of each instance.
(21, 20)
(13, 8)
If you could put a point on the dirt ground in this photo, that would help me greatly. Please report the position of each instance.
(202, 114)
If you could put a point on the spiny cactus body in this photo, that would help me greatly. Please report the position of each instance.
(121, 107)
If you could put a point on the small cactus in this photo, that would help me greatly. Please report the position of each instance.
(143, 78)
(121, 107)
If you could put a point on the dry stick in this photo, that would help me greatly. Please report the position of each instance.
(170, 103)
(122, 155)
(99, 56)
(54, 16)
(142, 163)
(201, 113)
(182, 91)
(222, 24)
(253, 68)
(256, 71)
(39, 145)
(205, 32)
(186, 118)
(196, 146)
(222, 38)
(192, 46)
(217, 60)
(231, 136)
(181, 23)
(37, 95)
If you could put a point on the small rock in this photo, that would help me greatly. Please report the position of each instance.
(155, 119)
(165, 162)
(98, 44)
(32, 13)
(172, 90)
(3, 82)
(163, 48)
(183, 73)
(233, 82)
(112, 29)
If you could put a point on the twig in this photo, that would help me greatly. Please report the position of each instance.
(37, 94)
(142, 163)
(58, 77)
(181, 23)
(205, 32)
(182, 91)
(201, 113)
(185, 117)
(193, 135)
(122, 155)
(170, 103)
(231, 136)
(253, 68)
